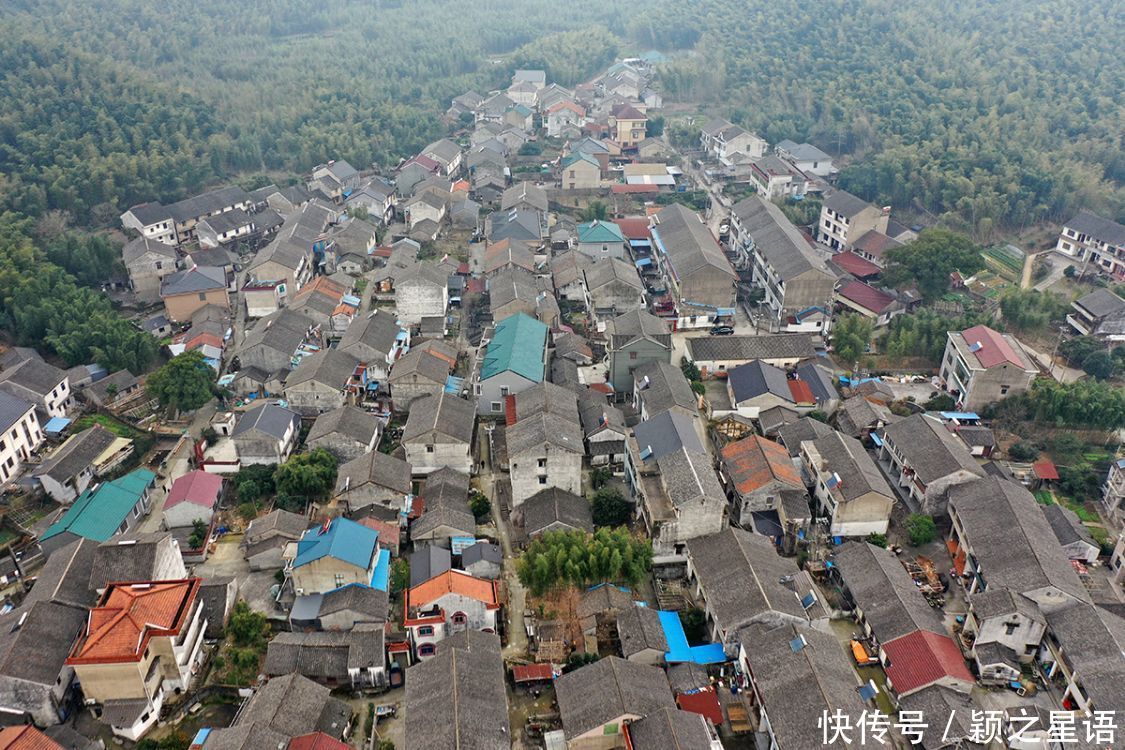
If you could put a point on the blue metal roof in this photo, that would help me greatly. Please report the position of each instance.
(961, 415)
(680, 651)
(380, 579)
(344, 540)
(56, 424)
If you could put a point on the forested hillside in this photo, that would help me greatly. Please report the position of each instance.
(983, 113)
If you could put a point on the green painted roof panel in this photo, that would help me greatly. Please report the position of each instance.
(98, 513)
(517, 345)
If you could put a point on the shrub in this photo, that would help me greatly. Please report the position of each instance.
(1022, 451)
(609, 508)
(879, 540)
(921, 529)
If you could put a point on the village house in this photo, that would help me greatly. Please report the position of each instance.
(514, 360)
(446, 153)
(1092, 239)
(147, 262)
(598, 701)
(377, 197)
(439, 433)
(505, 254)
(1100, 313)
(544, 438)
(580, 171)
(321, 382)
(1006, 630)
(872, 246)
(225, 228)
(757, 386)
(844, 218)
(553, 509)
(425, 206)
(25, 375)
(716, 355)
(447, 604)
(418, 373)
(679, 497)
(807, 158)
(266, 434)
(848, 486)
(377, 341)
(518, 223)
(722, 140)
(927, 459)
(1073, 536)
(321, 300)
(267, 537)
(107, 510)
(776, 179)
(175, 224)
(1081, 653)
(135, 557)
(868, 301)
(375, 483)
(143, 641)
(482, 560)
(612, 288)
(634, 339)
(114, 390)
(285, 707)
(913, 645)
(70, 469)
(458, 697)
(981, 366)
(700, 278)
(292, 256)
(347, 433)
(335, 179)
(797, 284)
(641, 635)
(447, 514)
(515, 291)
(754, 472)
(600, 240)
(334, 554)
(603, 426)
(567, 274)
(355, 658)
(272, 344)
(795, 672)
(184, 292)
(421, 291)
(562, 117)
(347, 608)
(20, 424)
(192, 498)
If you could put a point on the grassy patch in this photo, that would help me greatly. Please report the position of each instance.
(118, 428)
(1044, 497)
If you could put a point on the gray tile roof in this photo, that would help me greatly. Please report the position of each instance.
(444, 413)
(36, 651)
(371, 604)
(768, 346)
(688, 477)
(611, 270)
(1067, 526)
(639, 629)
(669, 728)
(662, 386)
(792, 434)
(1106, 230)
(329, 367)
(134, 250)
(428, 561)
(998, 601)
(457, 699)
(282, 331)
(482, 552)
(741, 576)
(881, 587)
(236, 218)
(326, 656)
(1011, 538)
(688, 242)
(607, 689)
(371, 337)
(846, 456)
(843, 202)
(276, 523)
(547, 398)
(135, 557)
(1093, 640)
(375, 467)
(122, 380)
(420, 362)
(63, 579)
(213, 200)
(820, 381)
(524, 193)
(856, 416)
(454, 515)
(554, 505)
(33, 377)
(797, 685)
(598, 415)
(248, 736)
(295, 239)
(758, 378)
(1101, 303)
(269, 419)
(12, 410)
(293, 705)
(954, 706)
(350, 421)
(533, 432)
(782, 244)
(667, 433)
(197, 279)
(624, 329)
(930, 449)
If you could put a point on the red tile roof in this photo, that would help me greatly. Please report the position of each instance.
(994, 350)
(317, 741)
(198, 487)
(705, 703)
(859, 267)
(801, 392)
(754, 462)
(532, 672)
(1044, 470)
(129, 616)
(867, 297)
(388, 531)
(202, 339)
(26, 737)
(922, 658)
(634, 228)
(454, 582)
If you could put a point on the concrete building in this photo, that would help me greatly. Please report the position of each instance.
(807, 158)
(844, 218)
(347, 433)
(323, 381)
(545, 445)
(192, 498)
(25, 375)
(632, 340)
(981, 366)
(848, 486)
(927, 460)
(1095, 241)
(612, 288)
(108, 510)
(147, 262)
(447, 604)
(70, 469)
(266, 434)
(1100, 313)
(722, 140)
(439, 433)
(375, 483)
(21, 436)
(598, 701)
(700, 278)
(334, 554)
(513, 360)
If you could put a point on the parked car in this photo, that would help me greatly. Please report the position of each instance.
(722, 330)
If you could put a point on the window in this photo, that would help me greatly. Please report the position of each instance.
(425, 630)
(632, 355)
(429, 449)
(542, 480)
(459, 618)
(505, 390)
(159, 265)
(426, 649)
(339, 580)
(496, 406)
(1010, 627)
(203, 295)
(542, 463)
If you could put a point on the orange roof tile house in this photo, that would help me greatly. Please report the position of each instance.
(143, 640)
(449, 603)
(755, 471)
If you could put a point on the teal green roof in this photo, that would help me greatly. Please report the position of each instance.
(600, 231)
(98, 514)
(580, 156)
(517, 345)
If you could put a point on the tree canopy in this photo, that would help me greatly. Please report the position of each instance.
(930, 259)
(561, 558)
(305, 477)
(186, 383)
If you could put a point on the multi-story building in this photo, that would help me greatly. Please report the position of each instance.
(981, 366)
(20, 435)
(797, 284)
(721, 140)
(699, 276)
(446, 604)
(807, 158)
(513, 360)
(628, 125)
(334, 554)
(1113, 492)
(143, 641)
(844, 218)
(926, 459)
(634, 339)
(848, 486)
(25, 375)
(1095, 241)
(775, 179)
(1100, 313)
(176, 224)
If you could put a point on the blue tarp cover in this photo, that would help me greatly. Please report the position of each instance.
(642, 262)
(680, 651)
(959, 415)
(56, 424)
(381, 577)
